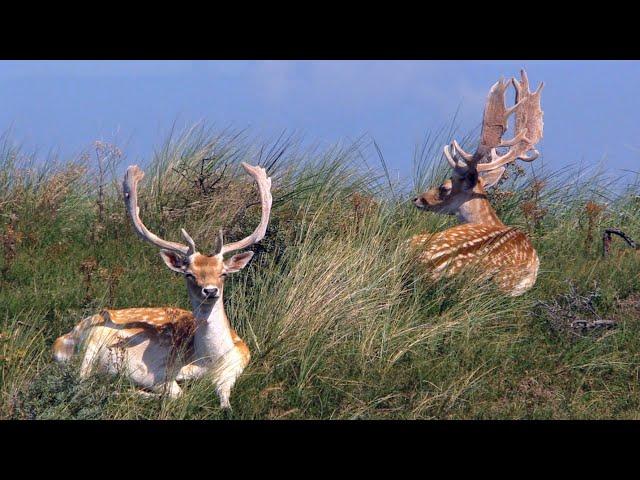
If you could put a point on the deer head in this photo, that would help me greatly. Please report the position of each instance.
(473, 173)
(204, 274)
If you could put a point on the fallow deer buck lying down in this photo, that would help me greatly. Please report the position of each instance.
(502, 252)
(157, 347)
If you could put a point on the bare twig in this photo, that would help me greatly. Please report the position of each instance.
(591, 324)
(606, 240)
(574, 313)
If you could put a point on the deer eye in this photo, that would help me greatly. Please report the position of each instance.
(444, 189)
(190, 276)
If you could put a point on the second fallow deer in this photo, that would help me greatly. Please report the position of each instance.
(502, 252)
(161, 346)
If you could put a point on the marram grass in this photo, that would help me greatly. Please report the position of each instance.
(340, 322)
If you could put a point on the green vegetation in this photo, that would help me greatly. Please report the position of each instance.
(340, 321)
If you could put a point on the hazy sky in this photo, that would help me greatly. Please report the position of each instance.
(591, 107)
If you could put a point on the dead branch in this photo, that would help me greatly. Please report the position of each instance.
(606, 240)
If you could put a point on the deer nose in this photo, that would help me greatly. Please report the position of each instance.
(210, 292)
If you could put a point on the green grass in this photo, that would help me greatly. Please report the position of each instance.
(340, 322)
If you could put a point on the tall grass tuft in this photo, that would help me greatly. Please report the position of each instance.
(340, 321)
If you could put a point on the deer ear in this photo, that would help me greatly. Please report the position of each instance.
(237, 262)
(490, 178)
(173, 260)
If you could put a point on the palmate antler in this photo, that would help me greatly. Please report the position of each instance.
(528, 128)
(130, 188)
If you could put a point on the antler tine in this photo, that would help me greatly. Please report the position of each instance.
(512, 155)
(130, 188)
(217, 245)
(497, 161)
(458, 149)
(259, 174)
(190, 242)
(450, 159)
(455, 160)
(530, 158)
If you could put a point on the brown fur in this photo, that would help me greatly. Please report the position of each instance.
(504, 252)
(207, 270)
(65, 345)
(180, 323)
(242, 348)
(177, 323)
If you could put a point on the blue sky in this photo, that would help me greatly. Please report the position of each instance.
(591, 107)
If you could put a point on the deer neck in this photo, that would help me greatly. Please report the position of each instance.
(478, 210)
(212, 338)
